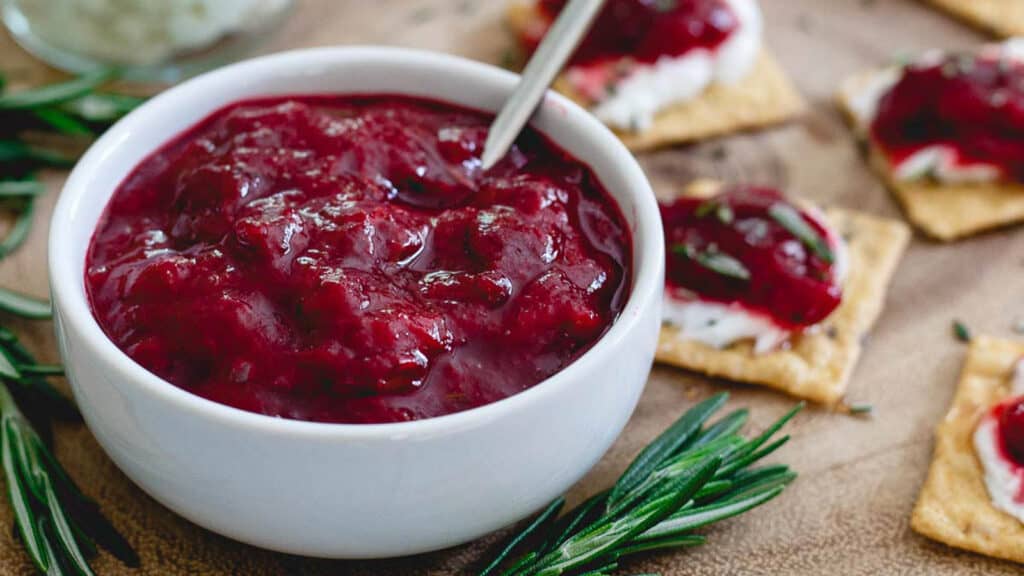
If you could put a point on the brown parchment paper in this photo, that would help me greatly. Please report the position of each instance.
(848, 513)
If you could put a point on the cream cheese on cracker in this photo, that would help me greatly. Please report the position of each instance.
(720, 325)
(937, 162)
(649, 88)
(1003, 479)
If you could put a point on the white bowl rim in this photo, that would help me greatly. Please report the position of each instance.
(74, 311)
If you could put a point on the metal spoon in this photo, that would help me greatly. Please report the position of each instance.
(558, 44)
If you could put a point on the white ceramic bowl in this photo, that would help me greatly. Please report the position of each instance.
(342, 490)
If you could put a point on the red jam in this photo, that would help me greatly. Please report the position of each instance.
(345, 259)
(751, 247)
(645, 30)
(1010, 416)
(974, 105)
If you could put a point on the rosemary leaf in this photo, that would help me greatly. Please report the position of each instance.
(665, 446)
(524, 561)
(19, 232)
(715, 261)
(749, 458)
(961, 332)
(605, 570)
(728, 425)
(86, 511)
(20, 188)
(567, 525)
(861, 409)
(759, 483)
(725, 214)
(19, 153)
(62, 121)
(694, 518)
(8, 367)
(54, 94)
(767, 434)
(542, 520)
(43, 525)
(41, 369)
(684, 540)
(56, 404)
(31, 535)
(713, 488)
(790, 219)
(102, 107)
(24, 306)
(65, 534)
(706, 207)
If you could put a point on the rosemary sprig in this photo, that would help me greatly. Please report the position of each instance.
(57, 523)
(790, 219)
(71, 111)
(693, 475)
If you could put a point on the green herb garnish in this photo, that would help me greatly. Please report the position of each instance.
(665, 5)
(860, 409)
(691, 476)
(721, 210)
(714, 260)
(961, 332)
(791, 219)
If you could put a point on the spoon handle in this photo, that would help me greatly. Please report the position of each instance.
(555, 49)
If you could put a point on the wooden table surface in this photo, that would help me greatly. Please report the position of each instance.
(848, 511)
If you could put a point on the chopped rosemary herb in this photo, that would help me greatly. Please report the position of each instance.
(790, 219)
(861, 409)
(714, 260)
(725, 214)
(722, 210)
(961, 332)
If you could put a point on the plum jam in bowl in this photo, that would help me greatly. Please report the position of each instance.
(293, 309)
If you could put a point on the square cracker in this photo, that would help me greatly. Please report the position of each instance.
(764, 97)
(954, 506)
(1004, 17)
(818, 363)
(944, 211)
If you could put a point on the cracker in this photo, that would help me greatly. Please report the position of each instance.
(954, 506)
(943, 211)
(1003, 17)
(764, 97)
(817, 365)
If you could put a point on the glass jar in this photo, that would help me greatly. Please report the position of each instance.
(147, 40)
